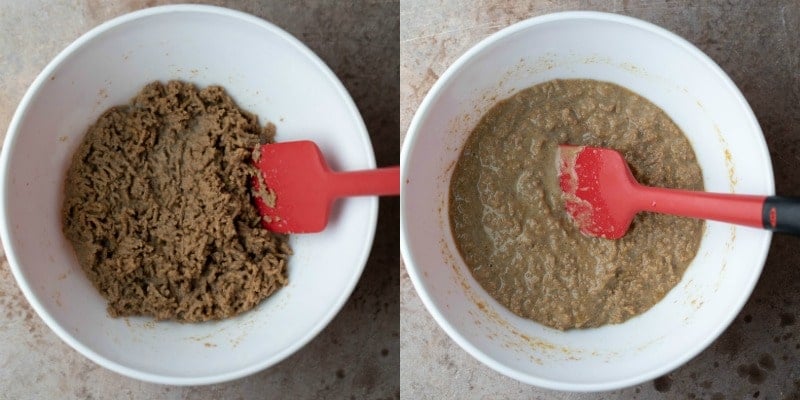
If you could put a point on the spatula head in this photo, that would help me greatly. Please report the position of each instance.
(596, 185)
(297, 199)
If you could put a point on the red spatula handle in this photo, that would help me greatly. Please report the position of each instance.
(380, 182)
(780, 214)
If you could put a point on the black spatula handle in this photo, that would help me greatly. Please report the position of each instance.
(781, 214)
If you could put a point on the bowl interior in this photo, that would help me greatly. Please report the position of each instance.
(267, 72)
(674, 75)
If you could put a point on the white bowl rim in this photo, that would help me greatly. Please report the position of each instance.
(413, 133)
(11, 137)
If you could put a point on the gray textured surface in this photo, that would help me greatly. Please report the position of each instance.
(357, 355)
(756, 43)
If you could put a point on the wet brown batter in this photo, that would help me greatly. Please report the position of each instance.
(508, 218)
(159, 212)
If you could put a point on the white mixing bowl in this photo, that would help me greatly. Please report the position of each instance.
(674, 75)
(268, 72)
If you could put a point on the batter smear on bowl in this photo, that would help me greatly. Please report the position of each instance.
(158, 207)
(508, 216)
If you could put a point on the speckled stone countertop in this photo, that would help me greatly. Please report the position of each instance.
(758, 45)
(357, 355)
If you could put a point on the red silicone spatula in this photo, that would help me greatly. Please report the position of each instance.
(602, 197)
(304, 186)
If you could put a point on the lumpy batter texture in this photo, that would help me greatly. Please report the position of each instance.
(509, 221)
(158, 207)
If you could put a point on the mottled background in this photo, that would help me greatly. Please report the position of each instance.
(757, 44)
(357, 355)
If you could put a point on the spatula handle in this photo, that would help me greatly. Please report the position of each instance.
(781, 214)
(736, 209)
(372, 182)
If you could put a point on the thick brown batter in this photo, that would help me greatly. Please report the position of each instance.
(508, 218)
(158, 207)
